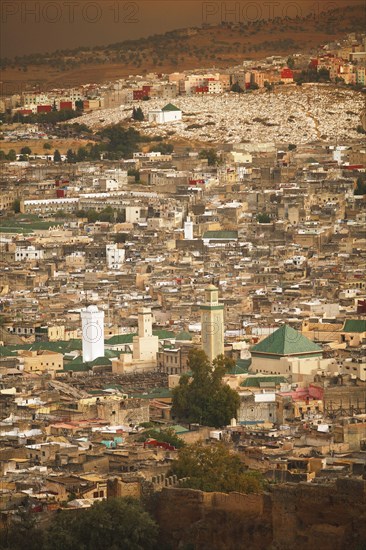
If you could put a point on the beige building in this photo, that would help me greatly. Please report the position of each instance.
(289, 353)
(145, 345)
(41, 361)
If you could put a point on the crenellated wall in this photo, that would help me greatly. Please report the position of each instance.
(301, 516)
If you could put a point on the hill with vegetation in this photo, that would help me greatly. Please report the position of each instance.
(220, 46)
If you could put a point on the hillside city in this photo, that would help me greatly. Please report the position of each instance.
(151, 219)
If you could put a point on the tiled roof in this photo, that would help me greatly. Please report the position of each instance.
(156, 393)
(286, 341)
(241, 367)
(354, 325)
(182, 336)
(121, 339)
(170, 107)
(128, 338)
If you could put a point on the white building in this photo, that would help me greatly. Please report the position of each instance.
(169, 113)
(28, 254)
(115, 256)
(215, 87)
(92, 321)
(188, 229)
(133, 214)
(114, 180)
(109, 184)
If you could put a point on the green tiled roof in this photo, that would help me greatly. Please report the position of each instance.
(170, 107)
(61, 346)
(111, 354)
(77, 361)
(354, 325)
(182, 336)
(286, 341)
(256, 381)
(128, 338)
(100, 361)
(81, 367)
(241, 367)
(156, 393)
(121, 339)
(78, 364)
(164, 334)
(7, 351)
(224, 235)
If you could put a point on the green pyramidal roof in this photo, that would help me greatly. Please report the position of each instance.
(286, 341)
(170, 107)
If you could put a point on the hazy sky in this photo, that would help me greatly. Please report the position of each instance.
(29, 26)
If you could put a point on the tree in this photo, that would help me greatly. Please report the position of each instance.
(47, 146)
(82, 154)
(25, 151)
(92, 216)
(210, 155)
(116, 523)
(236, 88)
(106, 215)
(291, 63)
(268, 85)
(70, 156)
(60, 214)
(121, 216)
(16, 206)
(22, 533)
(79, 105)
(215, 468)
(323, 74)
(12, 156)
(204, 398)
(135, 173)
(121, 238)
(137, 114)
(166, 436)
(163, 148)
(360, 188)
(291, 147)
(122, 143)
(81, 213)
(57, 156)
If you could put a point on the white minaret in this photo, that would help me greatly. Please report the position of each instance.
(92, 322)
(188, 229)
(212, 320)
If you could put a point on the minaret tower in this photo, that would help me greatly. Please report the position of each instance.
(212, 320)
(145, 345)
(188, 229)
(92, 322)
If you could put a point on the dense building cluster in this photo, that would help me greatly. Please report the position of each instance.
(112, 272)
